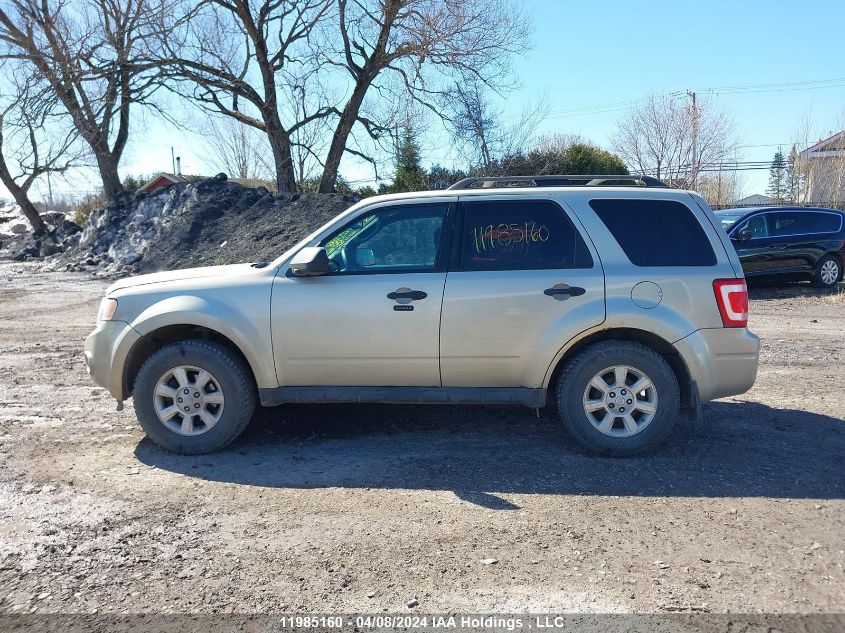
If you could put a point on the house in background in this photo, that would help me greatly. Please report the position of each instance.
(824, 165)
(755, 200)
(163, 179)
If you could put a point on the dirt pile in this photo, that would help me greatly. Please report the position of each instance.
(17, 241)
(202, 223)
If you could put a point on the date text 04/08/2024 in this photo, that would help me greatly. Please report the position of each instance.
(382, 621)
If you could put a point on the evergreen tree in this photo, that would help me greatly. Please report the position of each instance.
(439, 177)
(409, 174)
(777, 178)
(578, 158)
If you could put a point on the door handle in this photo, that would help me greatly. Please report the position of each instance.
(413, 295)
(563, 289)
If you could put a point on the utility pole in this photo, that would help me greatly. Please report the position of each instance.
(49, 190)
(694, 111)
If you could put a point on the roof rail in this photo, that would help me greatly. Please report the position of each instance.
(485, 182)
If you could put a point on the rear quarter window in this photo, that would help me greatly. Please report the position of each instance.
(656, 232)
(826, 222)
(787, 223)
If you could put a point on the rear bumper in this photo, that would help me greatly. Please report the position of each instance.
(722, 362)
(106, 350)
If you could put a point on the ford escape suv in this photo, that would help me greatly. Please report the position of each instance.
(615, 301)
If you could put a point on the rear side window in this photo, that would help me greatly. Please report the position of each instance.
(785, 223)
(789, 224)
(656, 232)
(520, 235)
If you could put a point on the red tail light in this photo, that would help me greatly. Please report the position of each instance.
(732, 299)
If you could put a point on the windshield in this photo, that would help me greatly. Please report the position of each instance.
(729, 218)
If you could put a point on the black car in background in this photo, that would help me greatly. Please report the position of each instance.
(788, 243)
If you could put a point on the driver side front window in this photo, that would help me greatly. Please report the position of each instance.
(393, 239)
(757, 226)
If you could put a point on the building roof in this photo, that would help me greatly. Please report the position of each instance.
(156, 181)
(832, 143)
(165, 179)
(756, 198)
(252, 183)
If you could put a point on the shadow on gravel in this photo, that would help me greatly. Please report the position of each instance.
(738, 450)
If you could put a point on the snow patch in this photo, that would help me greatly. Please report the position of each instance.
(13, 221)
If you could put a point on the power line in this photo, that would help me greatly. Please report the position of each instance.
(815, 84)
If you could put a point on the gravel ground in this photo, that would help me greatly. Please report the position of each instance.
(371, 508)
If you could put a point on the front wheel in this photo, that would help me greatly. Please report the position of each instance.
(828, 272)
(618, 398)
(194, 397)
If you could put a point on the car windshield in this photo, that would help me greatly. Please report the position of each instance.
(729, 217)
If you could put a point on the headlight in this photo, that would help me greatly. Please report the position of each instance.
(107, 308)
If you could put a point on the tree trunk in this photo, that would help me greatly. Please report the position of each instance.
(31, 213)
(20, 195)
(341, 136)
(107, 166)
(282, 158)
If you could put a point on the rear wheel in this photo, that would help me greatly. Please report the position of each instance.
(828, 272)
(194, 397)
(618, 398)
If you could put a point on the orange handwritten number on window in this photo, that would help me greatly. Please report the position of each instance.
(504, 237)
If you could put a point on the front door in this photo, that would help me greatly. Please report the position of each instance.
(374, 320)
(524, 283)
(757, 253)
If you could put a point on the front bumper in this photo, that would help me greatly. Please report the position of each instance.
(106, 350)
(721, 361)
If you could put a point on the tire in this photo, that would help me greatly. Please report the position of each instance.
(828, 272)
(639, 430)
(219, 413)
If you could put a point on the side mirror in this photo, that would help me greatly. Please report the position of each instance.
(365, 256)
(310, 262)
(744, 236)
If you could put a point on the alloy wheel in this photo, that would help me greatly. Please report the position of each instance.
(829, 272)
(620, 401)
(188, 400)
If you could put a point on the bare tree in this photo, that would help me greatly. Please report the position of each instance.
(668, 139)
(419, 47)
(802, 139)
(307, 141)
(794, 176)
(239, 149)
(474, 124)
(32, 143)
(721, 188)
(89, 54)
(652, 138)
(241, 59)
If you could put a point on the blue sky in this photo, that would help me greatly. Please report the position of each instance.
(588, 55)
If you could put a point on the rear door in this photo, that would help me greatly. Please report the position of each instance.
(798, 238)
(523, 281)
